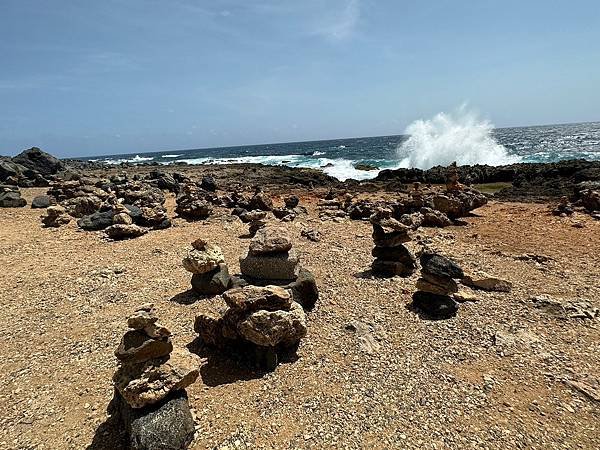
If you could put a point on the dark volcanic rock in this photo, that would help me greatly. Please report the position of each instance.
(167, 425)
(440, 265)
(42, 201)
(214, 282)
(435, 306)
(11, 199)
(208, 183)
(40, 161)
(304, 289)
(97, 221)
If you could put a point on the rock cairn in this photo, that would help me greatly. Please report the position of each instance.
(210, 275)
(391, 256)
(10, 197)
(192, 203)
(436, 285)
(263, 321)
(150, 400)
(55, 216)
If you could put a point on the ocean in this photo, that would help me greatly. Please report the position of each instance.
(427, 143)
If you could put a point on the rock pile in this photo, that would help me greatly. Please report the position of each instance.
(10, 197)
(264, 321)
(436, 285)
(210, 275)
(391, 256)
(55, 216)
(192, 203)
(150, 400)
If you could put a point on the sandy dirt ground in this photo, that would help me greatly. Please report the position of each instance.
(502, 374)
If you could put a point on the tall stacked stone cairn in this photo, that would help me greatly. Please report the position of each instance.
(436, 285)
(210, 275)
(262, 322)
(150, 402)
(271, 259)
(391, 256)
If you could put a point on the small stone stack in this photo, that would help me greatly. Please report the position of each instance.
(452, 184)
(192, 204)
(210, 275)
(391, 256)
(261, 321)
(436, 285)
(10, 197)
(150, 399)
(270, 256)
(55, 216)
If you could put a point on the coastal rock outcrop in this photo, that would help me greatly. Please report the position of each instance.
(150, 385)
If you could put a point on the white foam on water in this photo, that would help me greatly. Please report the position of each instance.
(461, 136)
(170, 156)
(135, 159)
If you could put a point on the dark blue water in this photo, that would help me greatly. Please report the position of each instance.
(431, 143)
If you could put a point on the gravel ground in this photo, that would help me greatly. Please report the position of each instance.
(498, 375)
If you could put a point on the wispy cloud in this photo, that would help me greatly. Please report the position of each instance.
(344, 23)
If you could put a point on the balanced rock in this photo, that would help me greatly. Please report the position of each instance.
(270, 240)
(391, 256)
(439, 265)
(254, 298)
(271, 328)
(274, 266)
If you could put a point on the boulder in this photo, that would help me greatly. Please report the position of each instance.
(208, 183)
(40, 161)
(42, 201)
(279, 266)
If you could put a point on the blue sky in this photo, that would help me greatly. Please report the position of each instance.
(99, 77)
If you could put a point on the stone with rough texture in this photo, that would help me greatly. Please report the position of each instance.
(122, 218)
(440, 265)
(203, 261)
(271, 328)
(12, 199)
(384, 267)
(136, 346)
(435, 306)
(167, 425)
(389, 239)
(42, 201)
(55, 216)
(150, 382)
(436, 285)
(487, 283)
(304, 289)
(398, 253)
(96, 221)
(212, 283)
(281, 266)
(122, 231)
(254, 298)
(270, 240)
